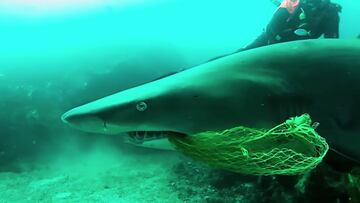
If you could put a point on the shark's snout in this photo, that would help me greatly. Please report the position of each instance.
(66, 117)
(71, 117)
(83, 121)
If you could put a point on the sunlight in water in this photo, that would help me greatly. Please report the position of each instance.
(41, 7)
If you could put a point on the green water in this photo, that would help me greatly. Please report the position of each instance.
(55, 55)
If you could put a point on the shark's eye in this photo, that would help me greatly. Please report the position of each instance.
(141, 106)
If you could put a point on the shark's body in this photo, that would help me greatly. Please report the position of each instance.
(258, 88)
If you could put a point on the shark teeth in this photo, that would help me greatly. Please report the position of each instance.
(139, 137)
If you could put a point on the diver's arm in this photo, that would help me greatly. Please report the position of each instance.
(277, 24)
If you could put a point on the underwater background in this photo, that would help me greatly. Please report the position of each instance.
(55, 55)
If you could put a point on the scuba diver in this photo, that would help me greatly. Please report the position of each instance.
(298, 20)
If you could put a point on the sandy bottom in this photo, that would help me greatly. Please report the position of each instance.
(104, 173)
(101, 175)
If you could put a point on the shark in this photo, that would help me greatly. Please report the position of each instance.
(258, 88)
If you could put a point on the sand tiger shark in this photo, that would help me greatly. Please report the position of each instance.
(258, 88)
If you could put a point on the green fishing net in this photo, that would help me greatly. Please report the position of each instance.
(290, 148)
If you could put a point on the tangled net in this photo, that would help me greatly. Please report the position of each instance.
(290, 148)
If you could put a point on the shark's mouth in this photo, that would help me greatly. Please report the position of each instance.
(139, 137)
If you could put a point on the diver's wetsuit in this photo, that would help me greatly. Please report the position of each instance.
(324, 20)
(319, 20)
(278, 30)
